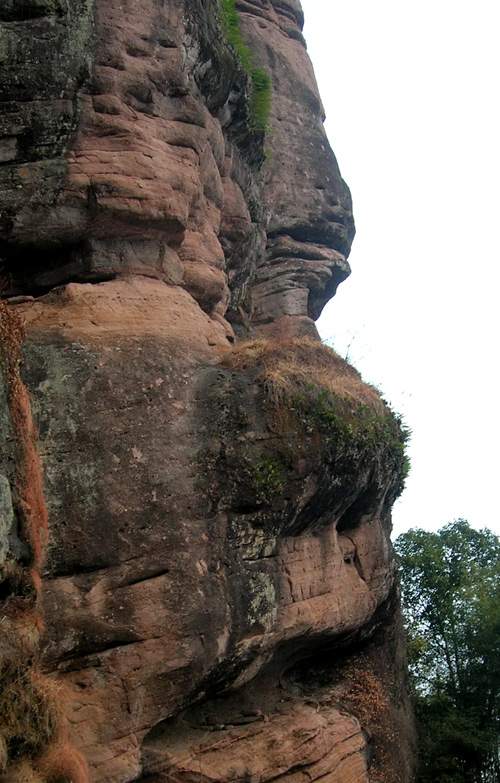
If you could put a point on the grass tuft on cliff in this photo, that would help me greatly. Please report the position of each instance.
(29, 717)
(307, 382)
(290, 368)
(260, 99)
(32, 744)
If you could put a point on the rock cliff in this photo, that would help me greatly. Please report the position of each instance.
(197, 581)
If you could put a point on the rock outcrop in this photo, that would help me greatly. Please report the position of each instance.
(196, 571)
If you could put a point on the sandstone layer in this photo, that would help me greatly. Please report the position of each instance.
(197, 576)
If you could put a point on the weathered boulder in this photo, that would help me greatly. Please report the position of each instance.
(214, 520)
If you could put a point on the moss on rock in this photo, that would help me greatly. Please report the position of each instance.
(260, 98)
(315, 445)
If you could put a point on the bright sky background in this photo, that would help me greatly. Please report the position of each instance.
(411, 93)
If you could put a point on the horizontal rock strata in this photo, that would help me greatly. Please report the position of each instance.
(196, 575)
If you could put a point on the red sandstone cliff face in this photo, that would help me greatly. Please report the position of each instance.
(218, 596)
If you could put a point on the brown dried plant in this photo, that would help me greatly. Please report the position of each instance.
(28, 482)
(366, 697)
(289, 367)
(29, 708)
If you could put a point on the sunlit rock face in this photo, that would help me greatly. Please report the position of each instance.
(218, 525)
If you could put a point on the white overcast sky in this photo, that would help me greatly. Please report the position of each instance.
(411, 93)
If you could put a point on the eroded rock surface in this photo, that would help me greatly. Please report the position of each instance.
(310, 226)
(219, 512)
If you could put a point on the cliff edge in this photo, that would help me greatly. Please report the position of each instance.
(196, 576)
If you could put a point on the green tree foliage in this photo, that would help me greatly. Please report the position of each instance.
(451, 598)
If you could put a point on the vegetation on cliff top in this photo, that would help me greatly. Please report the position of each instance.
(322, 421)
(308, 378)
(260, 99)
(451, 598)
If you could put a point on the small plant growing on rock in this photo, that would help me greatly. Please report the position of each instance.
(28, 480)
(266, 477)
(260, 98)
(28, 720)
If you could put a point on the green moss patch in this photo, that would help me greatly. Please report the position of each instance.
(260, 98)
